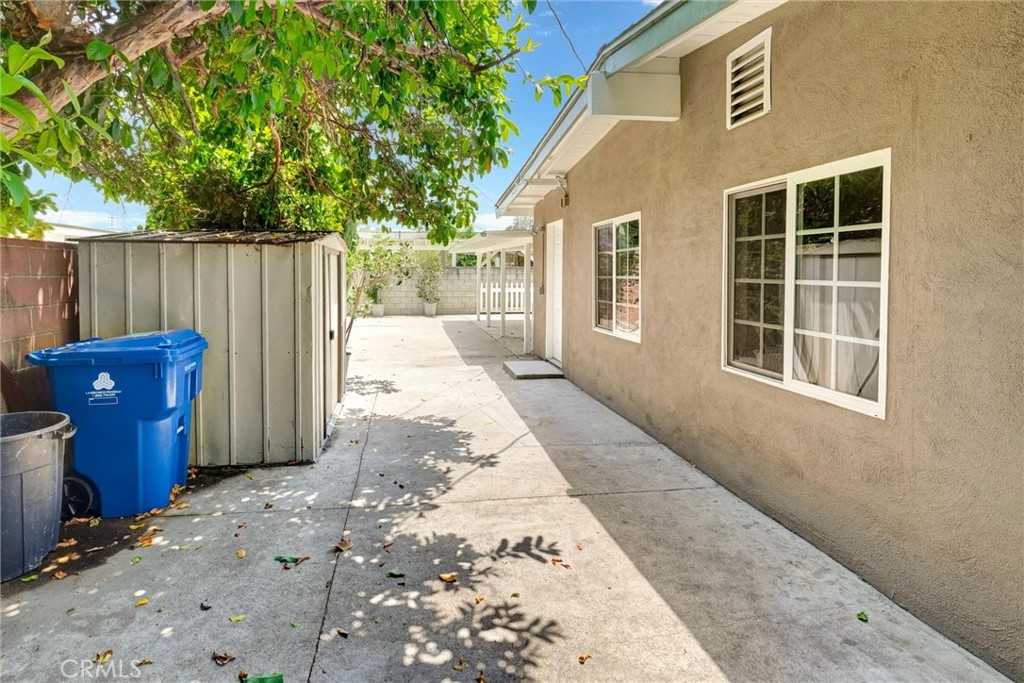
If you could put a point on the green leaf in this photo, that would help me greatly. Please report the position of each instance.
(26, 579)
(264, 678)
(34, 89)
(530, 5)
(295, 624)
(136, 559)
(207, 5)
(15, 57)
(8, 84)
(99, 51)
(237, 618)
(72, 98)
(290, 559)
(863, 616)
(20, 111)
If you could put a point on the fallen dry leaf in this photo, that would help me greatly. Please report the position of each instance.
(103, 656)
(95, 521)
(58, 576)
(388, 545)
(94, 549)
(175, 491)
(243, 676)
(449, 578)
(301, 560)
(267, 506)
(480, 678)
(203, 606)
(478, 599)
(238, 534)
(180, 505)
(240, 554)
(566, 565)
(143, 662)
(579, 546)
(152, 513)
(341, 632)
(222, 658)
(77, 520)
(68, 543)
(555, 560)
(64, 559)
(343, 545)
(249, 476)
(142, 602)
(584, 657)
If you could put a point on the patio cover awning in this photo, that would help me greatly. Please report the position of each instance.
(495, 240)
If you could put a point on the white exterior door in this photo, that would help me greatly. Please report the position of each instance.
(554, 292)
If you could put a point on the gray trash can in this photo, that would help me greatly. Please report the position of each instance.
(31, 470)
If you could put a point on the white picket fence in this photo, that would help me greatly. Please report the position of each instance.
(514, 296)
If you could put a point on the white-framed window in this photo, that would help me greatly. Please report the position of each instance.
(617, 276)
(748, 80)
(806, 281)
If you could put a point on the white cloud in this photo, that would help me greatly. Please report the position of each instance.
(652, 3)
(488, 221)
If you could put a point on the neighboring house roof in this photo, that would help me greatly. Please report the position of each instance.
(62, 232)
(495, 240)
(221, 237)
(635, 77)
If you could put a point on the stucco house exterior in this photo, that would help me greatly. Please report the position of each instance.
(786, 238)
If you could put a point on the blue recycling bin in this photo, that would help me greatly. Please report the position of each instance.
(131, 399)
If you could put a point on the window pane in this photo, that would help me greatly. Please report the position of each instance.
(857, 370)
(814, 308)
(604, 289)
(633, 234)
(775, 213)
(860, 255)
(634, 265)
(604, 264)
(604, 238)
(627, 318)
(604, 316)
(773, 304)
(814, 257)
(627, 291)
(774, 259)
(815, 204)
(748, 216)
(621, 239)
(622, 263)
(747, 302)
(746, 344)
(771, 357)
(748, 260)
(860, 197)
(859, 309)
(812, 360)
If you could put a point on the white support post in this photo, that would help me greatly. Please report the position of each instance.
(527, 299)
(479, 267)
(455, 259)
(487, 302)
(504, 292)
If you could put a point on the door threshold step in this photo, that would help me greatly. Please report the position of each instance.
(532, 369)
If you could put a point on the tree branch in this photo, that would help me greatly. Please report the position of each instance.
(156, 24)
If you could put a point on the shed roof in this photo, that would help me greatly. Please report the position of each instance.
(217, 236)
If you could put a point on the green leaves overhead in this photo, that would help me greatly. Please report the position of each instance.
(277, 114)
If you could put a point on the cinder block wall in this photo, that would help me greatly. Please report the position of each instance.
(38, 308)
(458, 292)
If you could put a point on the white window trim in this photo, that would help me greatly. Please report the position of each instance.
(881, 158)
(628, 336)
(762, 37)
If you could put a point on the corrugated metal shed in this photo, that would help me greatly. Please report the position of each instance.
(271, 306)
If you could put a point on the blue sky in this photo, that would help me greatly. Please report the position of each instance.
(589, 23)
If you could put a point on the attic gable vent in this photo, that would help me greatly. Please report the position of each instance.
(748, 81)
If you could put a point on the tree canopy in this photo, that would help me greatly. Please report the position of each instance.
(263, 114)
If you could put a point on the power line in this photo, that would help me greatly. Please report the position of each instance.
(567, 38)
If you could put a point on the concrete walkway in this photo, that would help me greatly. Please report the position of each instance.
(573, 534)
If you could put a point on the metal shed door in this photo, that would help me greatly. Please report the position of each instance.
(333, 332)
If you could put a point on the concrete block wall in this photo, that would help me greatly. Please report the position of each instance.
(458, 292)
(38, 308)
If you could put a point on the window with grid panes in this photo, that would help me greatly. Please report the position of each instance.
(617, 276)
(807, 281)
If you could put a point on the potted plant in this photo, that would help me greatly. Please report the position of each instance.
(428, 281)
(381, 266)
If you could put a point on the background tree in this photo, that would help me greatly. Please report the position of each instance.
(264, 114)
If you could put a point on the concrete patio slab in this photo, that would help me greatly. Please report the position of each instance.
(572, 533)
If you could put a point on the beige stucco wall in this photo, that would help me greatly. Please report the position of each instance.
(928, 504)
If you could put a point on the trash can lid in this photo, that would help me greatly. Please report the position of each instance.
(145, 347)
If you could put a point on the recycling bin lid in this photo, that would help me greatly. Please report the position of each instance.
(144, 347)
